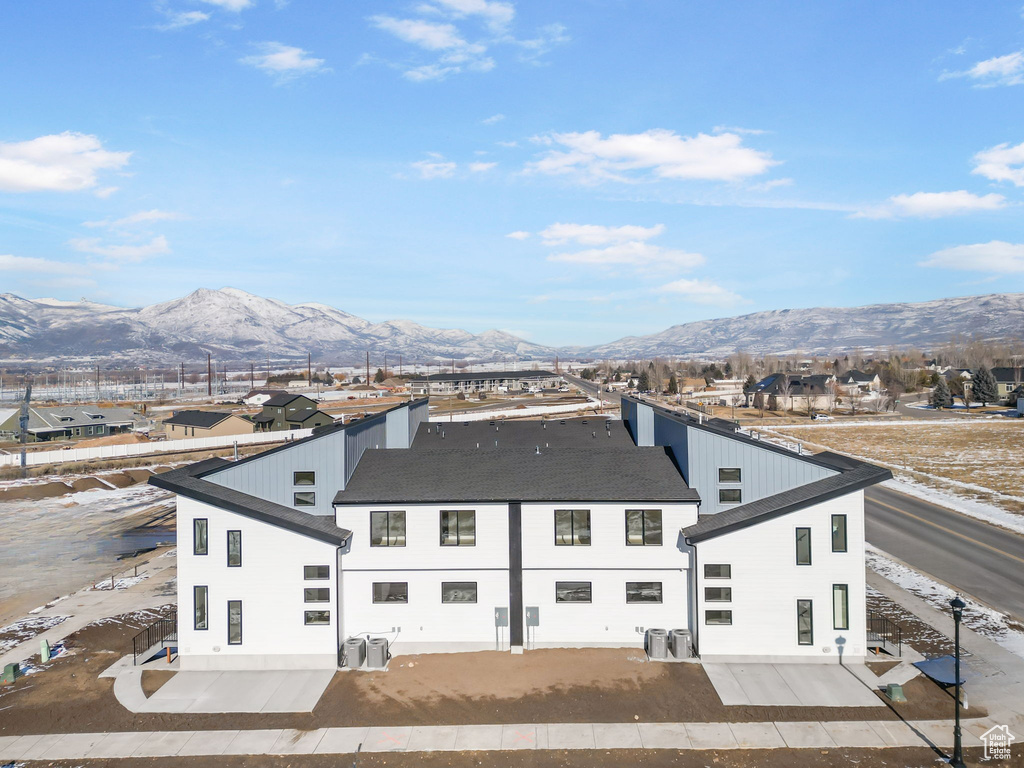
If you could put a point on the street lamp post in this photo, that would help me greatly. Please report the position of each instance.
(957, 761)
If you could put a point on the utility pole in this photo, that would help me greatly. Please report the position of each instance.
(97, 383)
(309, 368)
(209, 376)
(399, 366)
(23, 423)
(367, 382)
(252, 375)
(385, 365)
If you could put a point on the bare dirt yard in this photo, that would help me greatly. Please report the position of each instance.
(974, 459)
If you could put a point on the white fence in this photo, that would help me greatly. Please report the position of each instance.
(143, 449)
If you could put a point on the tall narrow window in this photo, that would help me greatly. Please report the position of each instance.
(572, 527)
(803, 546)
(234, 622)
(200, 602)
(234, 548)
(200, 530)
(804, 622)
(458, 528)
(387, 529)
(840, 606)
(838, 533)
(643, 527)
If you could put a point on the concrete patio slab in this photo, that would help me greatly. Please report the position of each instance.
(341, 741)
(299, 691)
(438, 738)
(235, 691)
(293, 742)
(164, 744)
(118, 744)
(664, 736)
(710, 736)
(726, 685)
(479, 737)
(519, 737)
(387, 739)
(804, 735)
(789, 685)
(853, 734)
(253, 742)
(73, 745)
(207, 743)
(617, 736)
(227, 691)
(756, 735)
(571, 736)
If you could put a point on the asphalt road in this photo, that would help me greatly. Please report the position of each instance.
(611, 399)
(979, 559)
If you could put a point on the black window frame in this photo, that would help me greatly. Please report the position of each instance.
(239, 640)
(239, 537)
(458, 527)
(718, 599)
(661, 593)
(375, 601)
(722, 492)
(845, 603)
(297, 472)
(589, 587)
(195, 539)
(737, 470)
(845, 533)
(727, 566)
(643, 528)
(796, 542)
(295, 498)
(387, 527)
(476, 593)
(724, 613)
(810, 619)
(321, 590)
(573, 542)
(306, 616)
(307, 577)
(206, 607)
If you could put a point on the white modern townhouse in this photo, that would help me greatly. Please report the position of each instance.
(447, 537)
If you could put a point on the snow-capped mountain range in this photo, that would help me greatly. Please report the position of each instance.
(235, 325)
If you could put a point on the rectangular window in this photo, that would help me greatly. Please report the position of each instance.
(303, 478)
(200, 529)
(804, 622)
(304, 498)
(572, 527)
(200, 602)
(234, 622)
(317, 617)
(643, 527)
(718, 617)
(838, 533)
(840, 606)
(573, 592)
(643, 591)
(234, 548)
(728, 474)
(718, 594)
(458, 591)
(311, 572)
(387, 529)
(717, 571)
(803, 546)
(391, 592)
(730, 496)
(458, 528)
(316, 594)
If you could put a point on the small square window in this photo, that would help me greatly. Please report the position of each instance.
(387, 529)
(316, 594)
(728, 474)
(458, 528)
(718, 594)
(730, 496)
(391, 592)
(303, 478)
(643, 527)
(458, 591)
(717, 571)
(305, 498)
(317, 617)
(311, 572)
(572, 527)
(718, 617)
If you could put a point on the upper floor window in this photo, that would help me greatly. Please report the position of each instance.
(838, 533)
(200, 531)
(717, 571)
(718, 594)
(730, 496)
(316, 594)
(234, 548)
(728, 474)
(803, 546)
(311, 572)
(303, 478)
(572, 527)
(387, 529)
(458, 528)
(304, 498)
(643, 526)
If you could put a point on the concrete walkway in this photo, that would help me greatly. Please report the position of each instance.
(808, 735)
(791, 685)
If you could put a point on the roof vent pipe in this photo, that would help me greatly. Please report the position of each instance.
(538, 450)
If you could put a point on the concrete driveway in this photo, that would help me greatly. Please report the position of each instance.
(789, 685)
(217, 692)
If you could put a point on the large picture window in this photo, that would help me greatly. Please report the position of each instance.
(803, 546)
(391, 592)
(201, 607)
(840, 606)
(458, 591)
(572, 527)
(234, 549)
(200, 536)
(643, 527)
(804, 622)
(573, 592)
(838, 533)
(643, 591)
(234, 622)
(458, 528)
(387, 529)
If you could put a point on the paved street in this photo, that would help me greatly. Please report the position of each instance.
(982, 560)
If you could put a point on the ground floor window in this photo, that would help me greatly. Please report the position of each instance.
(391, 592)
(317, 594)
(458, 591)
(234, 622)
(317, 617)
(573, 592)
(718, 617)
(804, 622)
(200, 601)
(643, 591)
(718, 594)
(840, 606)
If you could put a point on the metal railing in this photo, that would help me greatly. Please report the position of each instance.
(160, 633)
(884, 631)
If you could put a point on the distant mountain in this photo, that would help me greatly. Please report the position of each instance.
(232, 325)
(830, 330)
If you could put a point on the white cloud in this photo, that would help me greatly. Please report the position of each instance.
(285, 62)
(497, 15)
(481, 167)
(595, 234)
(65, 162)
(426, 34)
(136, 218)
(933, 205)
(1001, 163)
(999, 70)
(122, 253)
(182, 19)
(493, 119)
(435, 169)
(518, 235)
(702, 292)
(535, 47)
(996, 256)
(663, 153)
(507, 144)
(736, 129)
(643, 257)
(33, 265)
(230, 5)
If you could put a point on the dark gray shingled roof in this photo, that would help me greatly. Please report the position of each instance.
(471, 475)
(857, 475)
(581, 434)
(187, 481)
(202, 419)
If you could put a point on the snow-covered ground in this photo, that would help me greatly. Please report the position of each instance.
(984, 620)
(970, 507)
(25, 629)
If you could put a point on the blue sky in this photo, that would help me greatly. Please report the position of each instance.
(572, 172)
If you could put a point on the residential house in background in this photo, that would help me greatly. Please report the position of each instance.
(488, 381)
(1008, 380)
(795, 392)
(851, 381)
(290, 411)
(260, 396)
(186, 424)
(71, 422)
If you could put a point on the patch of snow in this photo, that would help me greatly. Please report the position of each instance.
(25, 629)
(123, 583)
(970, 507)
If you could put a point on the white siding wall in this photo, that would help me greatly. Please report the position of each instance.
(270, 585)
(766, 583)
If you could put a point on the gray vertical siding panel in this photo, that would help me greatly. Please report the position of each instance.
(358, 438)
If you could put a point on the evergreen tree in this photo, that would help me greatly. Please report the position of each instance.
(379, 376)
(673, 385)
(941, 397)
(985, 389)
(750, 383)
(728, 369)
(645, 382)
